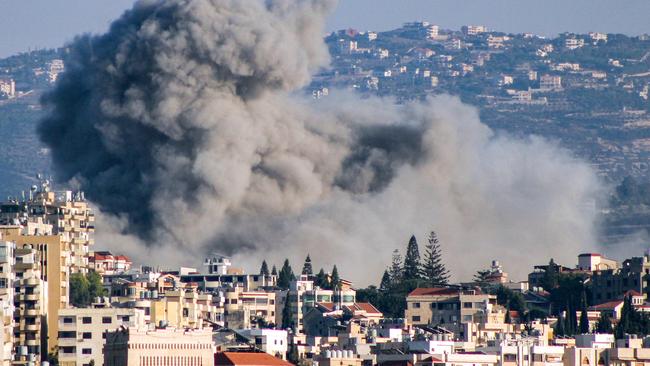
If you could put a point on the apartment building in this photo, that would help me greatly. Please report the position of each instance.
(54, 268)
(550, 82)
(271, 341)
(612, 284)
(7, 279)
(166, 346)
(31, 303)
(448, 307)
(222, 276)
(184, 307)
(248, 309)
(82, 332)
(595, 262)
(105, 263)
(473, 30)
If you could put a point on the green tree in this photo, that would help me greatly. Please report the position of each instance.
(510, 299)
(306, 268)
(385, 282)
(584, 318)
(274, 271)
(287, 314)
(434, 271)
(604, 324)
(508, 319)
(481, 277)
(396, 270)
(321, 279)
(85, 288)
(551, 275)
(559, 327)
(412, 260)
(286, 275)
(335, 280)
(264, 270)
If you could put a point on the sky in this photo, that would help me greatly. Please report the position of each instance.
(30, 24)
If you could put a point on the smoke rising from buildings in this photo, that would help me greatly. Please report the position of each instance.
(183, 126)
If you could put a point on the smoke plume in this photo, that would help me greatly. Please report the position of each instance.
(183, 125)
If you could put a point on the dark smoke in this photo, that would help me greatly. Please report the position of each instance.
(181, 125)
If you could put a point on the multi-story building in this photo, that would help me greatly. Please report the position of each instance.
(167, 346)
(54, 259)
(7, 279)
(573, 43)
(81, 332)
(184, 307)
(30, 301)
(449, 307)
(221, 276)
(105, 263)
(550, 82)
(595, 262)
(271, 341)
(7, 88)
(473, 30)
(249, 309)
(612, 284)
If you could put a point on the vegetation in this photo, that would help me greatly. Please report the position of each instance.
(306, 268)
(286, 275)
(264, 270)
(85, 288)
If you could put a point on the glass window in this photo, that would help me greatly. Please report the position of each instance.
(107, 320)
(68, 320)
(87, 335)
(86, 351)
(86, 320)
(416, 318)
(416, 305)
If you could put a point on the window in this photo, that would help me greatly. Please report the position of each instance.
(107, 320)
(67, 335)
(467, 305)
(86, 320)
(87, 351)
(416, 318)
(87, 335)
(416, 305)
(467, 318)
(125, 318)
(68, 320)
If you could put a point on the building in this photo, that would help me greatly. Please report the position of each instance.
(105, 263)
(550, 82)
(448, 307)
(7, 88)
(574, 43)
(612, 284)
(30, 299)
(221, 276)
(247, 359)
(249, 309)
(473, 30)
(164, 346)
(272, 341)
(595, 262)
(54, 259)
(81, 332)
(7, 280)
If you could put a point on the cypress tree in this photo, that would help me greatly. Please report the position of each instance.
(264, 270)
(306, 268)
(604, 324)
(274, 271)
(584, 319)
(385, 282)
(412, 260)
(508, 319)
(321, 279)
(559, 327)
(433, 268)
(286, 275)
(287, 314)
(335, 280)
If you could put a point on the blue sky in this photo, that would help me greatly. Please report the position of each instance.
(50, 23)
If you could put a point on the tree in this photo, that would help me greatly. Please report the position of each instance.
(508, 319)
(264, 270)
(481, 277)
(559, 327)
(335, 281)
(385, 282)
(412, 260)
(604, 324)
(551, 276)
(286, 275)
(274, 271)
(433, 269)
(306, 268)
(584, 319)
(85, 288)
(396, 268)
(287, 314)
(321, 279)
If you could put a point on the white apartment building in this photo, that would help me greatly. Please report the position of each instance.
(550, 82)
(7, 88)
(7, 278)
(81, 332)
(271, 341)
(574, 43)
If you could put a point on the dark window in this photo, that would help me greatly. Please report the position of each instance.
(107, 320)
(467, 305)
(416, 318)
(416, 305)
(86, 351)
(87, 335)
(67, 335)
(125, 318)
(68, 320)
(86, 320)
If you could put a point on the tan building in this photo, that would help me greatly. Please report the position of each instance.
(247, 309)
(184, 308)
(81, 332)
(142, 347)
(30, 299)
(54, 257)
(7, 279)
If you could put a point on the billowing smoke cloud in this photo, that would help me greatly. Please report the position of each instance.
(182, 125)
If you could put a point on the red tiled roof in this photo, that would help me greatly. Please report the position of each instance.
(438, 291)
(363, 306)
(248, 359)
(329, 306)
(607, 305)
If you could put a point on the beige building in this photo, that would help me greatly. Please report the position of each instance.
(54, 258)
(7, 279)
(142, 347)
(81, 332)
(247, 309)
(184, 308)
(30, 299)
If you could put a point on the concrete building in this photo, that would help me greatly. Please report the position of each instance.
(222, 276)
(595, 262)
(7, 280)
(574, 43)
(272, 341)
(105, 263)
(612, 284)
(31, 303)
(7, 88)
(168, 346)
(473, 30)
(550, 82)
(249, 309)
(81, 332)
